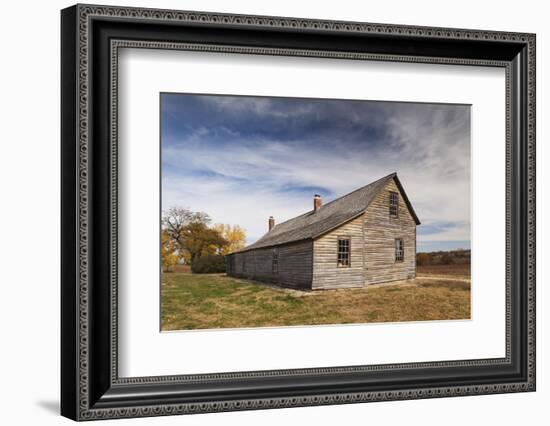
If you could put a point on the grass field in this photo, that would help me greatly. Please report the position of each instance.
(446, 271)
(216, 301)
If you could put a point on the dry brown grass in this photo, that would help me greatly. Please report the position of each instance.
(216, 301)
(448, 271)
(181, 268)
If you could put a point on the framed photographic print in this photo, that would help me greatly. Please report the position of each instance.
(263, 212)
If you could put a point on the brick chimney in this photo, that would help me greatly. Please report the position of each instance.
(316, 202)
(271, 223)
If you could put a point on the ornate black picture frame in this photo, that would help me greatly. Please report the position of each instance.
(91, 37)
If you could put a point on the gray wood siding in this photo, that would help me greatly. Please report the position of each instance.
(380, 233)
(295, 265)
(326, 272)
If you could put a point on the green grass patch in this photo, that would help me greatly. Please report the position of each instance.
(206, 301)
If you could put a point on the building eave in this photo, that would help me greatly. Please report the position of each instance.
(286, 243)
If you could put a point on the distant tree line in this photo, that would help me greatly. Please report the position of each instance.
(187, 237)
(460, 256)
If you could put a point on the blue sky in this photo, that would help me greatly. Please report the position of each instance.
(242, 159)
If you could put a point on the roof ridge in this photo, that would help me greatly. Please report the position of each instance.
(393, 174)
(288, 220)
(359, 189)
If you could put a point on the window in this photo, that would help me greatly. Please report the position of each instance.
(343, 252)
(394, 204)
(399, 250)
(275, 262)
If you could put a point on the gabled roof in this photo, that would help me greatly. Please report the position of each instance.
(329, 216)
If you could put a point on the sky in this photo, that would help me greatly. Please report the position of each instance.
(242, 159)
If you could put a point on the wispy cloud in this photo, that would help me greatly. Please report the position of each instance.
(242, 159)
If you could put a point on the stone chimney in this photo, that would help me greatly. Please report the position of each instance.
(271, 223)
(316, 202)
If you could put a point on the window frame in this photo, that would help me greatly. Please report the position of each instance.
(275, 261)
(396, 258)
(396, 205)
(338, 252)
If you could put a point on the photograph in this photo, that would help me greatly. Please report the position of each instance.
(280, 211)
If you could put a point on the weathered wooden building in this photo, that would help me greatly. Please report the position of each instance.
(365, 237)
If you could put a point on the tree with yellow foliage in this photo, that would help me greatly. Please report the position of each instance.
(168, 252)
(234, 235)
(187, 236)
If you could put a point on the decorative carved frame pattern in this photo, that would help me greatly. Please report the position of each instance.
(85, 13)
